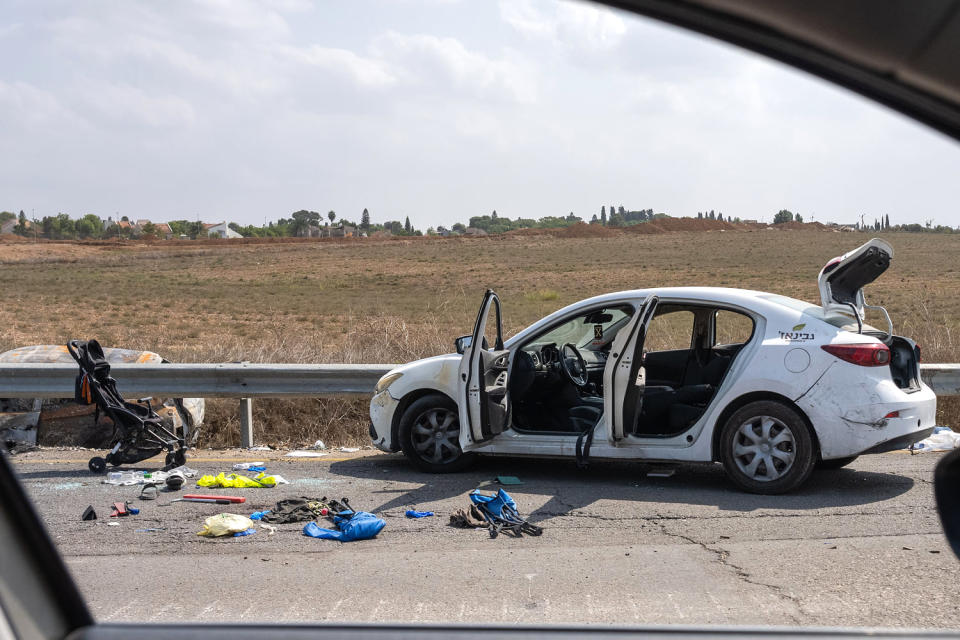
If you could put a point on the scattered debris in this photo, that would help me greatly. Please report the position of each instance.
(260, 448)
(306, 454)
(258, 515)
(237, 481)
(123, 509)
(301, 509)
(349, 449)
(419, 514)
(113, 524)
(508, 480)
(89, 514)
(942, 439)
(468, 518)
(149, 492)
(270, 530)
(175, 482)
(224, 524)
(661, 472)
(319, 445)
(247, 532)
(151, 530)
(127, 478)
(353, 526)
(244, 466)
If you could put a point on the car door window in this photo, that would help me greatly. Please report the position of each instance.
(732, 328)
(670, 330)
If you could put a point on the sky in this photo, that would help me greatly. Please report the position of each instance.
(243, 111)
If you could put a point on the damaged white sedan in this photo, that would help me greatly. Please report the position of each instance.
(767, 385)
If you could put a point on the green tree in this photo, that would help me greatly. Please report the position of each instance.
(365, 220)
(407, 227)
(783, 216)
(888, 221)
(6, 215)
(616, 220)
(21, 228)
(798, 218)
(332, 215)
(458, 227)
(149, 229)
(603, 216)
(494, 214)
(302, 221)
(89, 226)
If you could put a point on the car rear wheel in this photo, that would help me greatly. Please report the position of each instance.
(430, 435)
(767, 448)
(836, 463)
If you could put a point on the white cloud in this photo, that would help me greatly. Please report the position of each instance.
(128, 105)
(427, 59)
(572, 25)
(364, 71)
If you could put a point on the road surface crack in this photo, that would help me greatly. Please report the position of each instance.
(722, 557)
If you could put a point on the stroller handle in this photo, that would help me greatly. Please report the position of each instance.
(73, 347)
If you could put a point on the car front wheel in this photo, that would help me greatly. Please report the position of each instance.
(430, 435)
(767, 448)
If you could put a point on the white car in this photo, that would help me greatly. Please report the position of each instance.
(768, 385)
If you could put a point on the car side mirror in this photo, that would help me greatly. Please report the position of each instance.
(946, 489)
(462, 343)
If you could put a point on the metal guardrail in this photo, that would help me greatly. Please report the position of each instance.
(249, 380)
(230, 380)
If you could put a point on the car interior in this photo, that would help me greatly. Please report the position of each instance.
(556, 384)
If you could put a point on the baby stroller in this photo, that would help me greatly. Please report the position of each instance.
(138, 432)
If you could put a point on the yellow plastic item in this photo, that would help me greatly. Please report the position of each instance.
(237, 481)
(224, 524)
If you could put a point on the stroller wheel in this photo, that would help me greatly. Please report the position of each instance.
(114, 460)
(97, 465)
(176, 458)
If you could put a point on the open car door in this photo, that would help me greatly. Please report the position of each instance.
(482, 384)
(624, 377)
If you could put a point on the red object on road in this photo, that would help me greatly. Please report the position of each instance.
(234, 499)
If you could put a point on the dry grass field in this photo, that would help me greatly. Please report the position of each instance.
(399, 299)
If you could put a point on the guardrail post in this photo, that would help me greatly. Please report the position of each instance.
(246, 422)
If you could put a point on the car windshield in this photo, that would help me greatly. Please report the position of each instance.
(591, 330)
(245, 246)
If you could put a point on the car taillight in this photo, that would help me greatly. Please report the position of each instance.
(865, 355)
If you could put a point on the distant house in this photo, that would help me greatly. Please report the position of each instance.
(221, 230)
(343, 231)
(163, 230)
(7, 227)
(474, 231)
(443, 231)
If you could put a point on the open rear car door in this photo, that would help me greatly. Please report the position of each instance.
(482, 384)
(624, 377)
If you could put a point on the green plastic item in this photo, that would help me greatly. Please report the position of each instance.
(508, 480)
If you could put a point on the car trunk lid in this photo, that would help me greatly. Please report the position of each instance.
(842, 279)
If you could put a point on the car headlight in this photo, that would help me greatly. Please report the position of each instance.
(386, 381)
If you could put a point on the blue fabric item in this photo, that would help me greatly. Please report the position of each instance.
(361, 526)
(248, 532)
(133, 510)
(258, 515)
(494, 503)
(418, 514)
(256, 468)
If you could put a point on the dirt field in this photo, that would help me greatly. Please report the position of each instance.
(396, 300)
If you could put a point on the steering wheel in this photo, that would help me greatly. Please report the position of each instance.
(573, 365)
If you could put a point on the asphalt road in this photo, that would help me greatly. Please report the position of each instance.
(860, 546)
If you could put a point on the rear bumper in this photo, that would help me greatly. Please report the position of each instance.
(900, 442)
(850, 417)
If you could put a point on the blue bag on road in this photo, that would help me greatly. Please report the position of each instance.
(353, 526)
(411, 513)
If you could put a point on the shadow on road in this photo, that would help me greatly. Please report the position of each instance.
(570, 488)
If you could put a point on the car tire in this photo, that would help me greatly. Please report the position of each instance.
(767, 448)
(836, 463)
(429, 435)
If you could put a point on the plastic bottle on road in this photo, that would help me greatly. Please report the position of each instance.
(243, 466)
